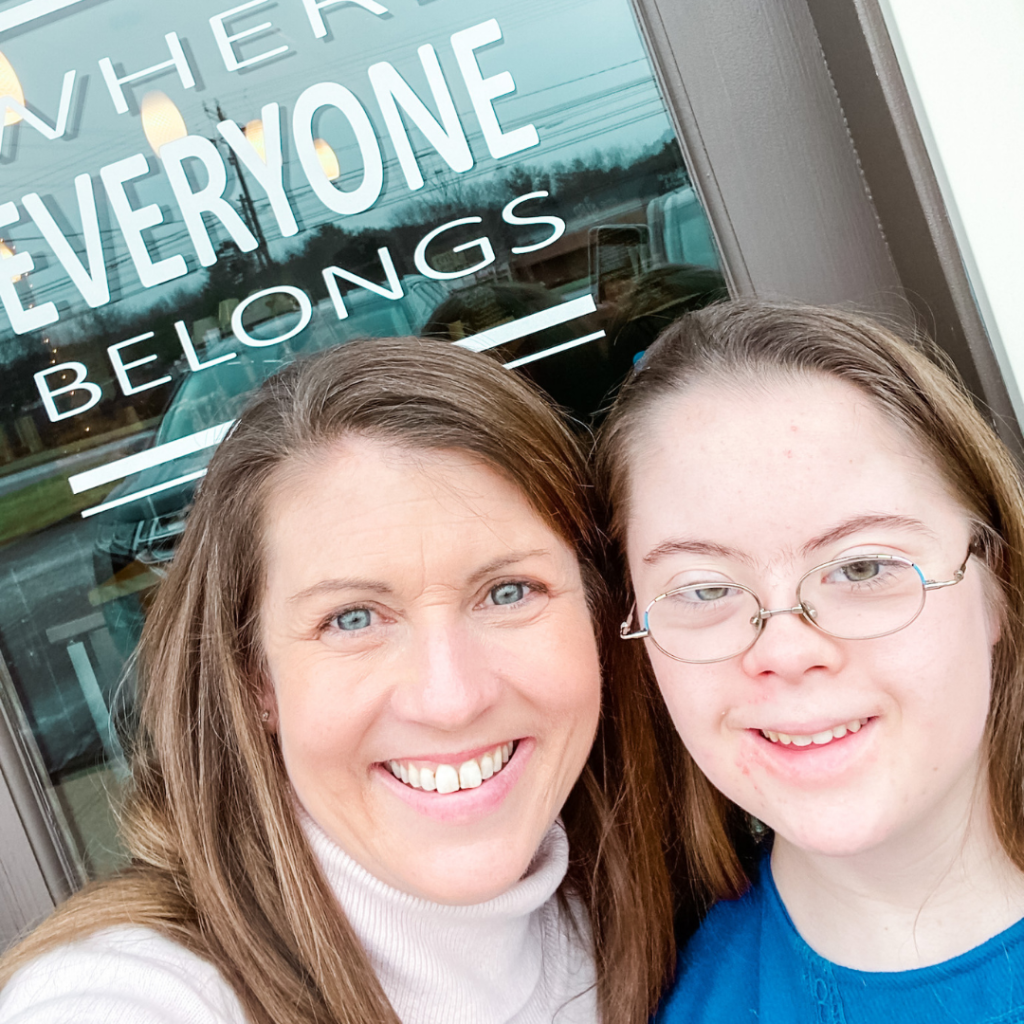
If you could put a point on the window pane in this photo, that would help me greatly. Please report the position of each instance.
(501, 175)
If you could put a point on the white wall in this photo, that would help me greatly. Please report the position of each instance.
(963, 61)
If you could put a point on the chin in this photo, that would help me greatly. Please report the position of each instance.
(836, 839)
(460, 890)
(469, 877)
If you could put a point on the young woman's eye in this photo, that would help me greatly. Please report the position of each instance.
(354, 619)
(860, 571)
(712, 592)
(871, 574)
(508, 593)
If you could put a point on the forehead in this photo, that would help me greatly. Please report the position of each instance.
(774, 464)
(368, 507)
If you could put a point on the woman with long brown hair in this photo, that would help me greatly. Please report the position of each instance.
(826, 555)
(365, 787)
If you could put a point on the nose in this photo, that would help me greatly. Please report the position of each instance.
(445, 682)
(790, 648)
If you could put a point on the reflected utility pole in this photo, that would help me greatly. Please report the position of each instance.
(249, 214)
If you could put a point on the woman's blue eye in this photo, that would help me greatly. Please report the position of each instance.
(508, 593)
(354, 618)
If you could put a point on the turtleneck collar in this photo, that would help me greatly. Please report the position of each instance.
(512, 960)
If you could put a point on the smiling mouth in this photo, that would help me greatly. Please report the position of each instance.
(449, 778)
(817, 739)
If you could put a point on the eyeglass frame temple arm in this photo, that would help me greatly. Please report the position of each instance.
(626, 631)
(957, 577)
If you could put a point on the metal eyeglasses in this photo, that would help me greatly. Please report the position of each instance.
(855, 598)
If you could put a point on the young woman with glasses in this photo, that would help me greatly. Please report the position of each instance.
(825, 545)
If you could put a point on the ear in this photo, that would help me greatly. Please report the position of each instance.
(995, 608)
(994, 616)
(267, 706)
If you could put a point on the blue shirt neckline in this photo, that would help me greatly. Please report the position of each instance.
(960, 964)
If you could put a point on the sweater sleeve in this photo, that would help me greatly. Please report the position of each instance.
(120, 976)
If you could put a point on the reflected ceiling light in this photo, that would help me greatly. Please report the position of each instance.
(328, 159)
(161, 120)
(6, 252)
(10, 86)
(253, 131)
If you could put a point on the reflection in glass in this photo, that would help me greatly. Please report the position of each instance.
(549, 222)
(161, 120)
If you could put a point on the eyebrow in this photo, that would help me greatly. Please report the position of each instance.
(866, 522)
(378, 587)
(497, 564)
(332, 586)
(691, 547)
(853, 525)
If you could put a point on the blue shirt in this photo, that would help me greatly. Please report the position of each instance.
(747, 963)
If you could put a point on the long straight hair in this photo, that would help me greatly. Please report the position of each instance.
(219, 861)
(913, 385)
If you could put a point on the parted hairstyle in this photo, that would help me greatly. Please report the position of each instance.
(913, 384)
(219, 862)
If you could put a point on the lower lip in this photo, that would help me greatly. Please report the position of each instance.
(467, 804)
(815, 759)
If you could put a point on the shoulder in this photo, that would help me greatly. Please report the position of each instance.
(717, 974)
(120, 976)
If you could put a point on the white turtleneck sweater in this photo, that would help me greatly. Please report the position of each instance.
(512, 960)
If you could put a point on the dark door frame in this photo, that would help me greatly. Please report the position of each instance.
(801, 133)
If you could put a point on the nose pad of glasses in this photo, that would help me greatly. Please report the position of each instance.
(808, 611)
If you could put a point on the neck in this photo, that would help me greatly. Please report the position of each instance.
(922, 897)
(514, 958)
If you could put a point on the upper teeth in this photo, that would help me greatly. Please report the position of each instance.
(837, 732)
(446, 778)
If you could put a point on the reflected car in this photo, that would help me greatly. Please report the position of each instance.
(136, 538)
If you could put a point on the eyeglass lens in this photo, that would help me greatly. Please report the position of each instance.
(855, 598)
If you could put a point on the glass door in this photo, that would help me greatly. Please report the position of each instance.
(195, 195)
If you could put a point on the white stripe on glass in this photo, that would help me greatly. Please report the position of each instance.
(117, 502)
(553, 351)
(520, 328)
(32, 11)
(157, 456)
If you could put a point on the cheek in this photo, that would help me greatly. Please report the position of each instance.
(956, 701)
(947, 669)
(560, 667)
(572, 707)
(580, 671)
(561, 682)
(322, 715)
(319, 730)
(694, 704)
